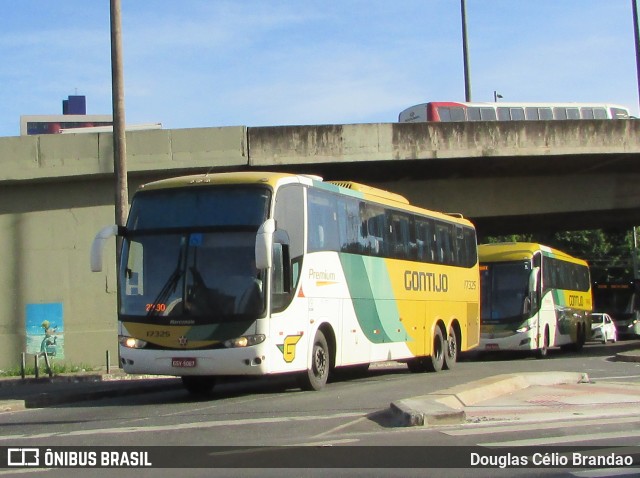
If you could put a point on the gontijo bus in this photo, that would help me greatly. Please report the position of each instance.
(533, 297)
(256, 273)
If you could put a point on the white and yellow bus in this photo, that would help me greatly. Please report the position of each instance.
(256, 273)
(533, 297)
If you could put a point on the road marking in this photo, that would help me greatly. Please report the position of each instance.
(520, 426)
(24, 470)
(340, 427)
(182, 426)
(606, 472)
(564, 439)
(595, 379)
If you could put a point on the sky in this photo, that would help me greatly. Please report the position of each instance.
(210, 63)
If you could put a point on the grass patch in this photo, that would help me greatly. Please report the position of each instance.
(56, 369)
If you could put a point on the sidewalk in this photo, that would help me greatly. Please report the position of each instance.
(525, 396)
(18, 394)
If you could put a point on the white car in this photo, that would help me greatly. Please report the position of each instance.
(602, 328)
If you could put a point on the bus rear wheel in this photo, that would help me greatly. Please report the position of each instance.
(451, 350)
(435, 361)
(315, 378)
(198, 385)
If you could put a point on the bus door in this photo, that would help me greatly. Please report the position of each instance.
(288, 322)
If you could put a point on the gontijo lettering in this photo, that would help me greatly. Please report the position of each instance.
(426, 281)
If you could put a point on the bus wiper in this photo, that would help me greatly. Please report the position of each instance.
(172, 282)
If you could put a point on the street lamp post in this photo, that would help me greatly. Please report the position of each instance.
(465, 52)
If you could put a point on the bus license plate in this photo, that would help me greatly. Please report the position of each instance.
(183, 362)
(491, 347)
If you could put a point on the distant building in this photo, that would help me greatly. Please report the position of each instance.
(74, 115)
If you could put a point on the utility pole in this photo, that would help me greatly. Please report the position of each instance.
(465, 52)
(636, 41)
(636, 37)
(119, 140)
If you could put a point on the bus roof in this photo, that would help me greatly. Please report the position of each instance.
(274, 179)
(513, 251)
(242, 177)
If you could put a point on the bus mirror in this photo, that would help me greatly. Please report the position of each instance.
(264, 244)
(97, 247)
(533, 280)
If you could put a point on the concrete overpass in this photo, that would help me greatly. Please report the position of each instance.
(56, 191)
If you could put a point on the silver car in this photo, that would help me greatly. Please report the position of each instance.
(602, 328)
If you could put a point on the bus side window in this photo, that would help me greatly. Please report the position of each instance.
(573, 113)
(545, 113)
(426, 250)
(448, 114)
(599, 113)
(473, 113)
(517, 114)
(444, 233)
(398, 238)
(503, 114)
(531, 113)
(586, 113)
(559, 113)
(488, 114)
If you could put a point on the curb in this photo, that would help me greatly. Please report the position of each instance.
(446, 407)
(628, 356)
(142, 386)
(98, 386)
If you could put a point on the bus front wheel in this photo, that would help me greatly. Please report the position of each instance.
(544, 348)
(315, 378)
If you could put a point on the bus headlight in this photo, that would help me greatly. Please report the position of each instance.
(244, 341)
(527, 327)
(524, 329)
(131, 343)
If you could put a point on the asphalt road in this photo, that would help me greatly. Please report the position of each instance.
(349, 412)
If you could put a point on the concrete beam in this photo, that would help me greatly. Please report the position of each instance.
(51, 157)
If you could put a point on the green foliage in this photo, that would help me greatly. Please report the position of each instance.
(609, 253)
(56, 368)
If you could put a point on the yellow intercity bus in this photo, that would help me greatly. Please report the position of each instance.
(533, 297)
(256, 273)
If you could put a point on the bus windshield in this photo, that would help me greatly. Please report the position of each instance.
(188, 256)
(617, 299)
(504, 289)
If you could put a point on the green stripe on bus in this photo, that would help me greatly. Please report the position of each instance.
(372, 297)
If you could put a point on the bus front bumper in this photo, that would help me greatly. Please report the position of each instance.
(219, 362)
(518, 341)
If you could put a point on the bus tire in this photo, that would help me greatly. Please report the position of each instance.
(543, 351)
(451, 350)
(315, 378)
(198, 385)
(435, 361)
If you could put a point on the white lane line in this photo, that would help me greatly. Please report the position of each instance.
(340, 427)
(565, 439)
(181, 426)
(24, 470)
(488, 429)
